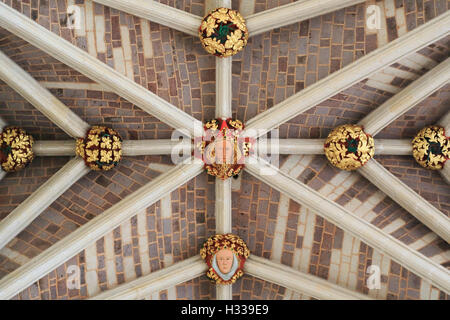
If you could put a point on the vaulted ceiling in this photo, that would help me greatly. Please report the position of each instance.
(279, 226)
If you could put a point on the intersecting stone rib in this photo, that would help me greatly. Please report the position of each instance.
(399, 147)
(91, 67)
(130, 147)
(349, 75)
(223, 87)
(41, 98)
(403, 101)
(87, 234)
(223, 110)
(298, 281)
(293, 12)
(315, 146)
(2, 174)
(354, 225)
(44, 148)
(159, 13)
(223, 77)
(41, 199)
(223, 206)
(159, 280)
(407, 198)
(155, 147)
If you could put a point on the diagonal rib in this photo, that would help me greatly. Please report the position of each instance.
(157, 12)
(394, 188)
(41, 98)
(293, 12)
(298, 281)
(354, 225)
(94, 69)
(406, 99)
(87, 234)
(159, 280)
(349, 75)
(41, 199)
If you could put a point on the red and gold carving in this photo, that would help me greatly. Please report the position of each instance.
(225, 255)
(348, 147)
(16, 149)
(222, 149)
(223, 32)
(431, 147)
(101, 149)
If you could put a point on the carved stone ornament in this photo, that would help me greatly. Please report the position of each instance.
(223, 32)
(16, 149)
(348, 147)
(225, 255)
(101, 149)
(431, 147)
(222, 149)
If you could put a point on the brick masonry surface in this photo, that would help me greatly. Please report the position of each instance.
(274, 66)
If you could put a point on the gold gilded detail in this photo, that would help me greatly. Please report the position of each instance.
(16, 149)
(101, 149)
(348, 147)
(431, 148)
(222, 149)
(223, 32)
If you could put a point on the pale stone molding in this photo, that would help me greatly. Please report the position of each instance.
(41, 199)
(351, 74)
(138, 289)
(224, 292)
(41, 98)
(74, 57)
(315, 146)
(293, 12)
(87, 234)
(223, 188)
(406, 99)
(2, 174)
(298, 281)
(398, 147)
(159, 13)
(350, 222)
(393, 187)
(210, 5)
(223, 206)
(156, 147)
(46, 148)
(223, 87)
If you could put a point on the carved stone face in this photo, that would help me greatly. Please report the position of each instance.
(224, 259)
